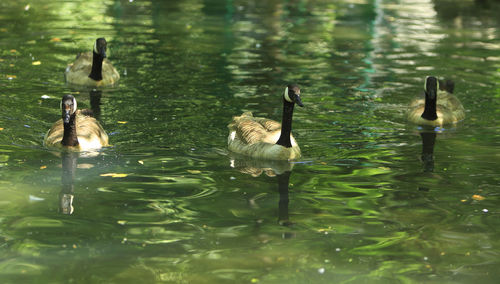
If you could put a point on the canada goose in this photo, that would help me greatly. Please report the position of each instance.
(438, 107)
(92, 68)
(264, 138)
(76, 129)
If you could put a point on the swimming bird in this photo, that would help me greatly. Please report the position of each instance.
(265, 138)
(438, 107)
(76, 130)
(92, 68)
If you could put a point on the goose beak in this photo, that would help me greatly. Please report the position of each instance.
(298, 100)
(103, 52)
(66, 114)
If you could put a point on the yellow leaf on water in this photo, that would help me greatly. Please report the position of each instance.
(121, 222)
(1, 128)
(3, 30)
(194, 171)
(477, 197)
(1, 60)
(141, 162)
(36, 62)
(55, 39)
(10, 77)
(43, 167)
(122, 122)
(13, 50)
(11, 65)
(115, 175)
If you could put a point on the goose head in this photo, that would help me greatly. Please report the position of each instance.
(431, 87)
(292, 95)
(68, 107)
(100, 46)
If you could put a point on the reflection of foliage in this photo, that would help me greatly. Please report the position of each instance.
(180, 213)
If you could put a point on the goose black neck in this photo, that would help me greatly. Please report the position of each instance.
(286, 125)
(430, 108)
(70, 138)
(96, 73)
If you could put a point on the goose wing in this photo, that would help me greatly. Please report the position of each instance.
(83, 63)
(89, 129)
(250, 129)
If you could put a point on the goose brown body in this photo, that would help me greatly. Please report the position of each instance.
(447, 108)
(264, 138)
(78, 72)
(257, 137)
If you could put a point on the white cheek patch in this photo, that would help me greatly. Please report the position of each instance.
(74, 105)
(287, 97)
(95, 47)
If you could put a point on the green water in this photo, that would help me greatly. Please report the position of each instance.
(166, 203)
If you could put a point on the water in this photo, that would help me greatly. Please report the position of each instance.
(167, 202)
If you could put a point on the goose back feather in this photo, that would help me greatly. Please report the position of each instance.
(259, 137)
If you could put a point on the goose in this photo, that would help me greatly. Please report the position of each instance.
(76, 130)
(92, 69)
(264, 138)
(438, 107)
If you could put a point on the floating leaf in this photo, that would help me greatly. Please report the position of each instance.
(477, 197)
(13, 50)
(36, 63)
(10, 77)
(141, 162)
(27, 7)
(1, 128)
(55, 39)
(3, 30)
(122, 122)
(194, 171)
(115, 175)
(121, 222)
(43, 167)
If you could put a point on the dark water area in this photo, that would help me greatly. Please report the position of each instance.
(373, 199)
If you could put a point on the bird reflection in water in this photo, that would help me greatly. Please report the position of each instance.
(427, 156)
(95, 103)
(69, 165)
(428, 141)
(281, 171)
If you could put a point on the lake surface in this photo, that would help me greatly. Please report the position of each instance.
(167, 203)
